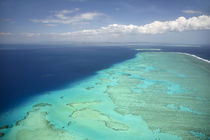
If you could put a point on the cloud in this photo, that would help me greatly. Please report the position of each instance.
(119, 33)
(62, 17)
(51, 25)
(157, 27)
(30, 34)
(191, 12)
(5, 33)
(9, 20)
(62, 14)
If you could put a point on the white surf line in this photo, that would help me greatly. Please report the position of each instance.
(148, 49)
(195, 57)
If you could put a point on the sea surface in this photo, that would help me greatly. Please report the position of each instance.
(104, 92)
(28, 70)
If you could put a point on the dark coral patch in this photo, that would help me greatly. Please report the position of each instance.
(88, 88)
(1, 134)
(42, 105)
(4, 127)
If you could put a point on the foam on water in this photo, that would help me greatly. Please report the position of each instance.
(196, 57)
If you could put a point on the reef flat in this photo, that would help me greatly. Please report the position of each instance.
(153, 96)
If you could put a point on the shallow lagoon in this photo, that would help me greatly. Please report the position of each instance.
(155, 95)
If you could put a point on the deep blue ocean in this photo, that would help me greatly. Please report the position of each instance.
(29, 70)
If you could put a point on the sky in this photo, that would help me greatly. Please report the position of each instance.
(67, 21)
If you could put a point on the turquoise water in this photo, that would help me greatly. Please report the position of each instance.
(152, 96)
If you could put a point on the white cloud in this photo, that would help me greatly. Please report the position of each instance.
(5, 33)
(116, 32)
(51, 25)
(63, 17)
(191, 12)
(157, 27)
(30, 34)
(62, 14)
